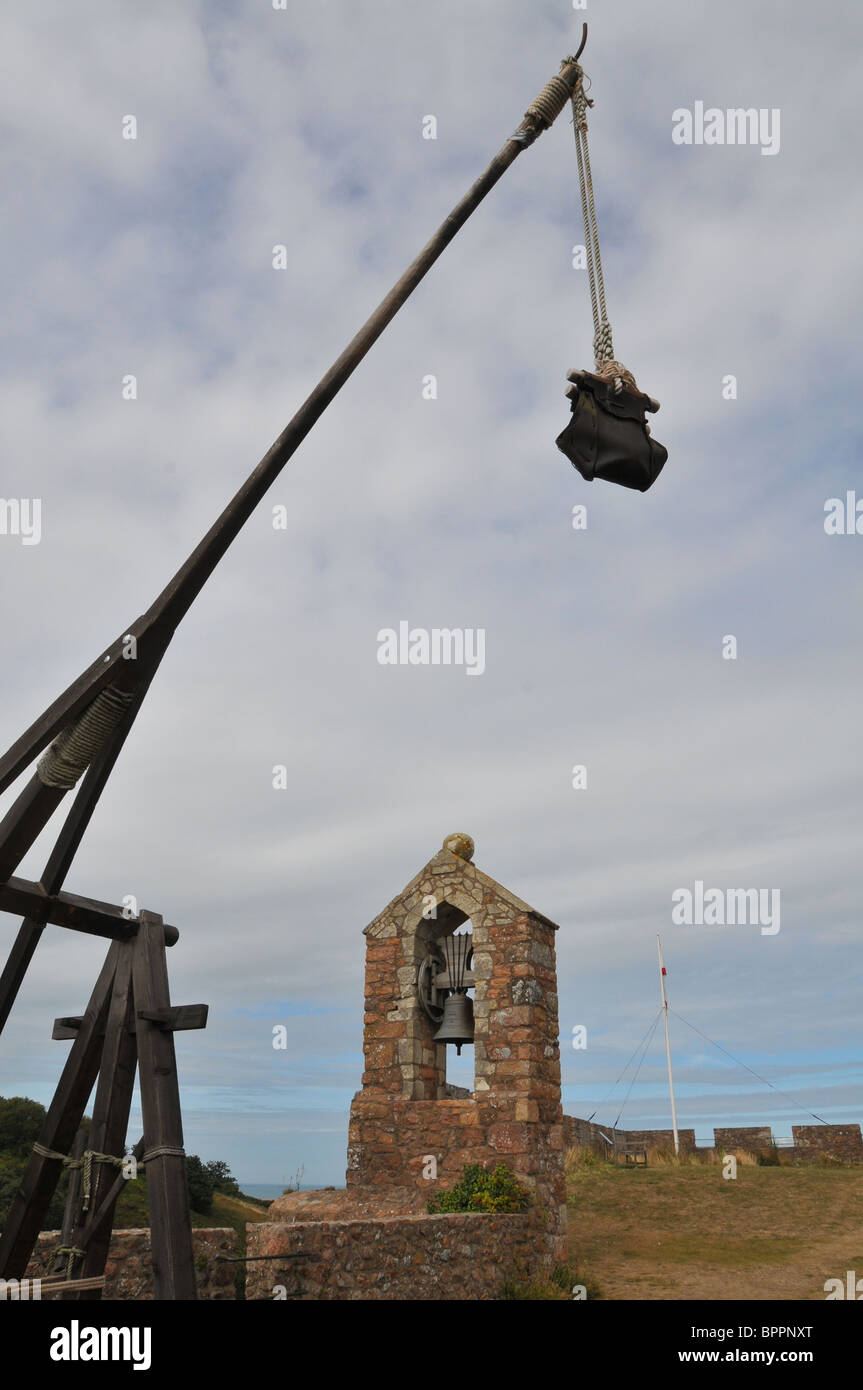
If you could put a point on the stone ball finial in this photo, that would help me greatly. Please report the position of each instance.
(460, 844)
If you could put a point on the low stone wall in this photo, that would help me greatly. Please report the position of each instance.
(451, 1257)
(129, 1269)
(749, 1138)
(811, 1142)
(609, 1142)
(835, 1141)
(662, 1139)
(583, 1134)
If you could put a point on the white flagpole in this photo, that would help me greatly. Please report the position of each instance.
(668, 1046)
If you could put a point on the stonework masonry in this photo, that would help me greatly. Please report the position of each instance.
(514, 1115)
(661, 1139)
(811, 1142)
(411, 1133)
(749, 1138)
(428, 1258)
(835, 1141)
(129, 1269)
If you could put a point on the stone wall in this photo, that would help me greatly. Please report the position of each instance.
(428, 1258)
(583, 1134)
(835, 1141)
(129, 1269)
(749, 1138)
(662, 1139)
(810, 1141)
(609, 1142)
(404, 1112)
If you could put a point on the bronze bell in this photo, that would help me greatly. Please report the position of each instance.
(457, 1022)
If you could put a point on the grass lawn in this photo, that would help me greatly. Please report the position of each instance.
(227, 1211)
(669, 1232)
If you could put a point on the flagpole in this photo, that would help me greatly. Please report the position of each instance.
(668, 1046)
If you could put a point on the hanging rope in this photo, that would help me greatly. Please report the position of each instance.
(603, 349)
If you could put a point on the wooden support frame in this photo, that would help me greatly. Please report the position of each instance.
(128, 1024)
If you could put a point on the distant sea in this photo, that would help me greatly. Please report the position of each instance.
(269, 1191)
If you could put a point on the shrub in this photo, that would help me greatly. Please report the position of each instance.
(482, 1191)
(20, 1123)
(223, 1178)
(200, 1184)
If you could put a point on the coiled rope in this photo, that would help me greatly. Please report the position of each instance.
(549, 103)
(75, 748)
(546, 106)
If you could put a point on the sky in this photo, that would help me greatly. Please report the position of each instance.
(444, 506)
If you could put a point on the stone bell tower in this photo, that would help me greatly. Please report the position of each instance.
(409, 1133)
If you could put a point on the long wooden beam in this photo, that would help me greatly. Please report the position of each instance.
(157, 625)
(24, 898)
(153, 630)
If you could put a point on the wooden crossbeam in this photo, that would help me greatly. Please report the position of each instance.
(27, 899)
(180, 1018)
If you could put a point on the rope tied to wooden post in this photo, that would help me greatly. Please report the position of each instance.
(85, 1163)
(548, 104)
(76, 746)
(163, 1151)
(72, 1253)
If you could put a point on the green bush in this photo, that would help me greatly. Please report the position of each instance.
(21, 1121)
(223, 1178)
(201, 1185)
(484, 1191)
